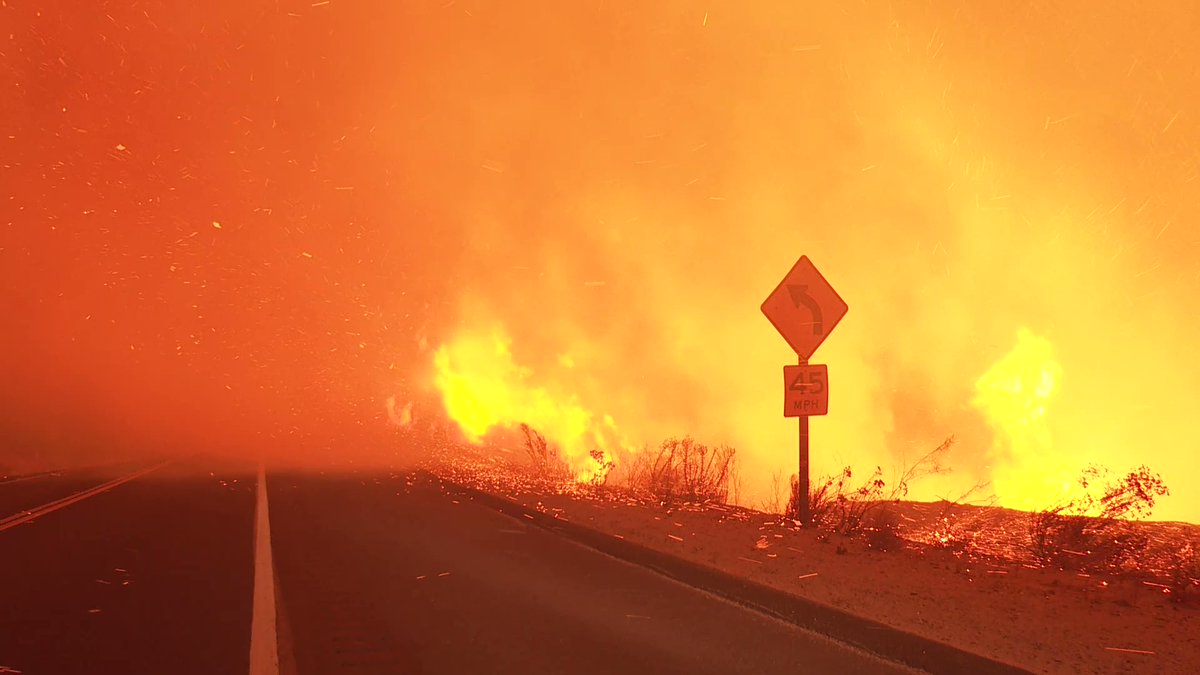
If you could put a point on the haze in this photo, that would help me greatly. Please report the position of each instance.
(242, 227)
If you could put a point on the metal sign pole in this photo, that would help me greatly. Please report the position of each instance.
(802, 505)
(804, 308)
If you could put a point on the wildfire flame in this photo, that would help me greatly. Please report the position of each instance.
(618, 185)
(1015, 395)
(483, 389)
(951, 193)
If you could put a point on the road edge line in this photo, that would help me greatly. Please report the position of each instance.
(264, 645)
(877, 638)
(27, 515)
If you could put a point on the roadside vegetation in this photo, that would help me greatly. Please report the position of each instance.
(678, 471)
(682, 470)
(843, 505)
(544, 458)
(1094, 529)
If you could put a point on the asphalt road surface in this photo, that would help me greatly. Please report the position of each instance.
(25, 492)
(374, 573)
(153, 576)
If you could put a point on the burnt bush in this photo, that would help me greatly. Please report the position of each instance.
(543, 457)
(603, 467)
(1093, 527)
(682, 470)
(837, 503)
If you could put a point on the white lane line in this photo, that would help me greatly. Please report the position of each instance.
(264, 647)
(37, 512)
(9, 480)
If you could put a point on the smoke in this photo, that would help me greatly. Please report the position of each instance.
(958, 176)
(616, 186)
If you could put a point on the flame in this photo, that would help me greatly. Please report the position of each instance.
(483, 389)
(1015, 395)
(621, 184)
(951, 193)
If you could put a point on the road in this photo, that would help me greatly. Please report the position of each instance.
(374, 573)
(153, 576)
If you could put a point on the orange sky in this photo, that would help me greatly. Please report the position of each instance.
(383, 170)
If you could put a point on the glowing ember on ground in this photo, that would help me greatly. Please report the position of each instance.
(984, 534)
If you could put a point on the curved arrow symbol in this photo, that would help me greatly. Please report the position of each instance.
(800, 296)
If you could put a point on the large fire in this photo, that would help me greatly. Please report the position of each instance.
(962, 176)
(1014, 395)
(483, 389)
(228, 225)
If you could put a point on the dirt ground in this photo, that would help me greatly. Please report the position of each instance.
(1045, 620)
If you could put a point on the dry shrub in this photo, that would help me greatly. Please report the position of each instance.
(837, 504)
(775, 502)
(604, 466)
(736, 481)
(1093, 529)
(682, 470)
(543, 457)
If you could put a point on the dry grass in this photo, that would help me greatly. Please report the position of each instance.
(543, 457)
(682, 470)
(1093, 529)
(955, 530)
(837, 504)
(604, 465)
(776, 502)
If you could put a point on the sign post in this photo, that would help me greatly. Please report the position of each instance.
(804, 308)
(803, 507)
